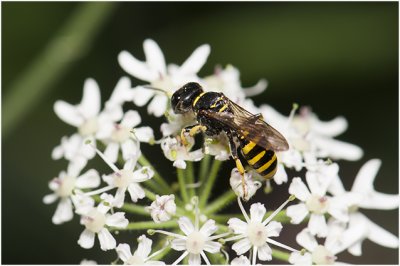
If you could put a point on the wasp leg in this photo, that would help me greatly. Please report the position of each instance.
(239, 164)
(193, 130)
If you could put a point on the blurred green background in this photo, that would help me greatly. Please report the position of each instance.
(339, 58)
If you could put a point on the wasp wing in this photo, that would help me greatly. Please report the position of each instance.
(250, 126)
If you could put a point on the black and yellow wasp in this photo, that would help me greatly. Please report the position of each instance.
(215, 113)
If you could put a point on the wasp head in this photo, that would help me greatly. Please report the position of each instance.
(183, 98)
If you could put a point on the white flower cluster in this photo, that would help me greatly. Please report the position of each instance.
(114, 134)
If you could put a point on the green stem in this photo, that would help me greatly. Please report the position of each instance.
(69, 45)
(280, 255)
(190, 178)
(150, 195)
(182, 185)
(134, 208)
(204, 167)
(147, 225)
(209, 183)
(221, 202)
(157, 177)
(162, 254)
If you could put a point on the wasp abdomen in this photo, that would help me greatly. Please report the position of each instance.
(262, 160)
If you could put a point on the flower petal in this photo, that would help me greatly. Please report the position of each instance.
(136, 192)
(257, 212)
(297, 213)
(208, 228)
(237, 225)
(142, 95)
(130, 151)
(144, 134)
(63, 212)
(158, 105)
(86, 239)
(90, 104)
(196, 60)
(111, 151)
(336, 149)
(90, 179)
(131, 119)
(117, 220)
(331, 128)
(68, 113)
(154, 57)
(194, 259)
(121, 93)
(242, 246)
(273, 228)
(366, 176)
(135, 67)
(381, 236)
(265, 252)
(299, 189)
(297, 259)
(355, 249)
(144, 247)
(107, 241)
(124, 252)
(186, 225)
(317, 225)
(178, 244)
(212, 246)
(50, 198)
(306, 239)
(380, 201)
(242, 260)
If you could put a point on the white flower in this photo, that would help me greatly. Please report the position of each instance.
(162, 208)
(95, 221)
(227, 81)
(118, 136)
(218, 147)
(316, 202)
(336, 241)
(73, 149)
(175, 151)
(195, 241)
(256, 233)
(124, 179)
(236, 184)
(85, 115)
(64, 185)
(155, 71)
(307, 134)
(122, 93)
(364, 196)
(141, 255)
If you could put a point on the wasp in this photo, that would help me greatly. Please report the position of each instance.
(215, 113)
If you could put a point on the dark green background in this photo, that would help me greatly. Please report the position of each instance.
(339, 58)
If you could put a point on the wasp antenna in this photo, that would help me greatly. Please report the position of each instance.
(153, 88)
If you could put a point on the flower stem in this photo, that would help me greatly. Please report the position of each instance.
(147, 225)
(157, 177)
(182, 185)
(280, 255)
(204, 167)
(221, 202)
(190, 178)
(135, 209)
(209, 183)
